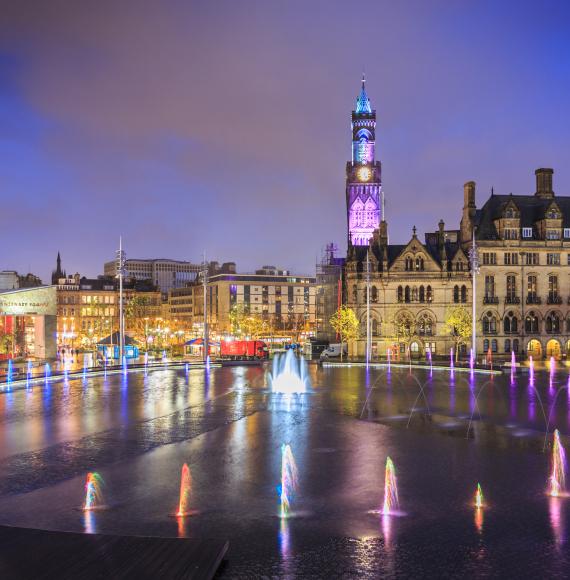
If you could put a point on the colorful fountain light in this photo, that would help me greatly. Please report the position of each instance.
(389, 353)
(208, 363)
(391, 501)
(557, 480)
(125, 367)
(185, 489)
(289, 374)
(288, 480)
(10, 371)
(531, 368)
(479, 499)
(47, 372)
(451, 358)
(28, 373)
(471, 360)
(93, 493)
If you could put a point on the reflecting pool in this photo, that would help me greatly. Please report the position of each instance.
(445, 434)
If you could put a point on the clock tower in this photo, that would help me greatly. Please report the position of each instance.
(363, 174)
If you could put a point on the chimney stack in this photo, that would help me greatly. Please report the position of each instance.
(469, 194)
(544, 182)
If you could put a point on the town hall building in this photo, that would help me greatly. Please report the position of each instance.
(523, 279)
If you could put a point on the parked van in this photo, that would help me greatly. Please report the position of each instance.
(333, 351)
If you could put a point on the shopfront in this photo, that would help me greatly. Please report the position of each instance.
(28, 323)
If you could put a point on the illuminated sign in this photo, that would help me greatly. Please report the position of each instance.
(33, 301)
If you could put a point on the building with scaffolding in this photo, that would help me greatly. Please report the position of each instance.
(329, 290)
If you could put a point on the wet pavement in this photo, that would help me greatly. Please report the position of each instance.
(443, 433)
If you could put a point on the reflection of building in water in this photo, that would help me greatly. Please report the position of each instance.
(28, 323)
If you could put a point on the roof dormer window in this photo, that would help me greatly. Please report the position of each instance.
(510, 213)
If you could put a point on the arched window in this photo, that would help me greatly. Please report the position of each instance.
(507, 345)
(429, 294)
(486, 345)
(552, 323)
(400, 294)
(375, 327)
(425, 325)
(510, 323)
(409, 264)
(419, 264)
(464, 293)
(415, 293)
(489, 323)
(515, 345)
(374, 294)
(456, 294)
(531, 323)
(494, 345)
(422, 294)
(407, 294)
(355, 293)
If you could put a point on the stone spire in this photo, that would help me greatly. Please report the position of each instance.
(363, 102)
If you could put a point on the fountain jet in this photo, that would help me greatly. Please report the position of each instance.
(479, 499)
(391, 501)
(557, 480)
(289, 374)
(93, 493)
(288, 480)
(185, 489)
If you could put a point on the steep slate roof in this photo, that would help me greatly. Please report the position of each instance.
(394, 251)
(531, 208)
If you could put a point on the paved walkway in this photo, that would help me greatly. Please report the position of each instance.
(39, 554)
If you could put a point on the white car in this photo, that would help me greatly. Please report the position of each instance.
(333, 351)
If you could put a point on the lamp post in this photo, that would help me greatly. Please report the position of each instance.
(474, 259)
(120, 265)
(522, 346)
(205, 283)
(367, 308)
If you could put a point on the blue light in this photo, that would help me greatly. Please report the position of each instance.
(363, 102)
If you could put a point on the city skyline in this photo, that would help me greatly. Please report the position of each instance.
(127, 129)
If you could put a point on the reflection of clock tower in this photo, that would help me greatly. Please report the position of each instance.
(363, 174)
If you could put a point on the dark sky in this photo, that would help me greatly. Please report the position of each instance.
(225, 125)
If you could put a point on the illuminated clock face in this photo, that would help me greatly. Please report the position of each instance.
(364, 174)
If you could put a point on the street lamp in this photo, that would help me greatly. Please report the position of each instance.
(474, 260)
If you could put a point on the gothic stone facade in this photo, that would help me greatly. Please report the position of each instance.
(523, 288)
(411, 289)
